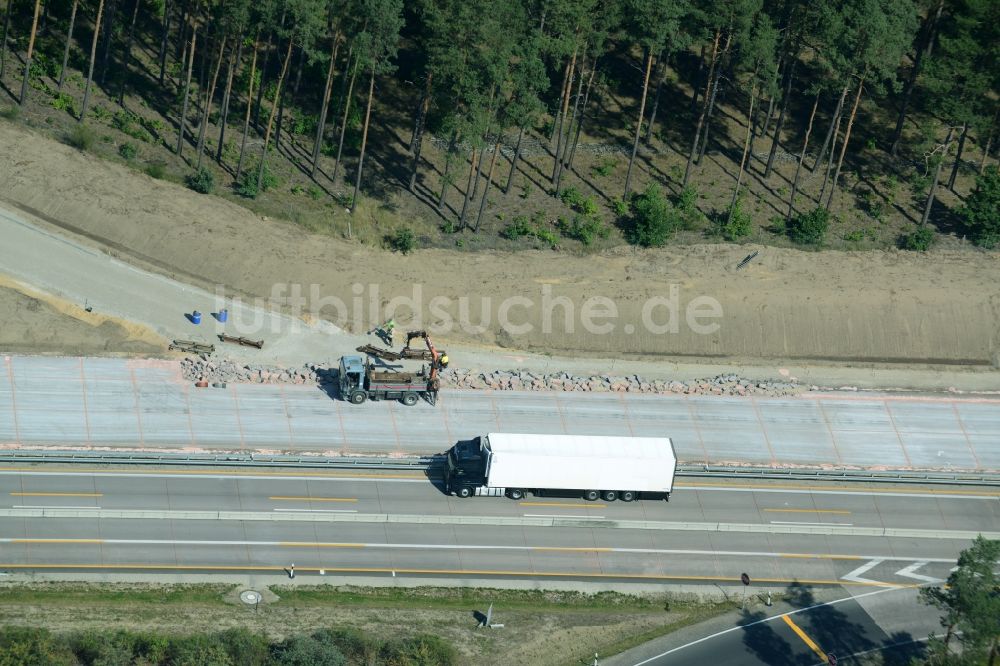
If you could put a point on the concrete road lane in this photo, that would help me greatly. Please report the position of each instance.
(46, 401)
(304, 519)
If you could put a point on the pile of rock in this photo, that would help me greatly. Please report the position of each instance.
(523, 380)
(224, 371)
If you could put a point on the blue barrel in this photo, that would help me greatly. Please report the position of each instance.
(195, 317)
(222, 316)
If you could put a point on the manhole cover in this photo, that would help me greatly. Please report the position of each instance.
(250, 597)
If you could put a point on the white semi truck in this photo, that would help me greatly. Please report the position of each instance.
(592, 467)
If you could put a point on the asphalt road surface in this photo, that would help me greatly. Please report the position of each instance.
(51, 401)
(860, 536)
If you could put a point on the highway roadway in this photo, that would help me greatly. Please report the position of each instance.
(400, 524)
(130, 403)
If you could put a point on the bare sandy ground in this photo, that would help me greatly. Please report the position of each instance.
(38, 323)
(878, 306)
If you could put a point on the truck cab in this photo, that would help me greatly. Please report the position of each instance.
(352, 378)
(465, 467)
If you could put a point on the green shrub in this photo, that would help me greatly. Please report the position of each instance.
(605, 167)
(315, 193)
(10, 113)
(427, 650)
(128, 150)
(738, 223)
(809, 228)
(582, 228)
(918, 241)
(654, 219)
(982, 209)
(315, 650)
(520, 226)
(100, 113)
(687, 203)
(547, 237)
(64, 102)
(81, 137)
(572, 197)
(156, 170)
(202, 181)
(620, 207)
(247, 185)
(28, 645)
(402, 241)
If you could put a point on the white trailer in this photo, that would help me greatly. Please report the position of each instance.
(625, 468)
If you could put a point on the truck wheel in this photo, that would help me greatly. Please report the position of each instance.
(591, 495)
(515, 493)
(628, 495)
(610, 495)
(357, 397)
(464, 491)
(409, 399)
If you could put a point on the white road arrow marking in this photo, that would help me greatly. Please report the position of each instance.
(910, 572)
(855, 575)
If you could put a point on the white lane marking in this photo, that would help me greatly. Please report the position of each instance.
(51, 506)
(643, 551)
(796, 522)
(855, 493)
(318, 510)
(558, 515)
(743, 627)
(855, 575)
(911, 572)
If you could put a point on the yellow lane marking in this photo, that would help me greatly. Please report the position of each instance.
(209, 472)
(806, 511)
(823, 556)
(566, 504)
(47, 541)
(57, 494)
(805, 638)
(313, 544)
(571, 549)
(313, 499)
(447, 572)
(780, 486)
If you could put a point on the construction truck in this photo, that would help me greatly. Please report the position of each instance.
(361, 379)
(591, 467)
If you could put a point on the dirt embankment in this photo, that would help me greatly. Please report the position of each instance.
(867, 306)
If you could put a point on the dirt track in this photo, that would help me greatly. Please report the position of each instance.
(871, 306)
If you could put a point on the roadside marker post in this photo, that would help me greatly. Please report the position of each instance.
(745, 579)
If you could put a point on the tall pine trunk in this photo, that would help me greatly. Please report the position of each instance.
(834, 123)
(69, 41)
(696, 85)
(187, 90)
(746, 149)
(930, 29)
(246, 119)
(562, 115)
(324, 107)
(364, 138)
(638, 126)
(489, 182)
(234, 63)
(93, 57)
(561, 158)
(513, 161)
(847, 139)
(417, 140)
(31, 51)
(562, 95)
(583, 116)
(109, 22)
(3, 40)
(343, 122)
(447, 168)
(263, 73)
(958, 157)
(128, 54)
(989, 141)
(704, 107)
(164, 38)
(937, 176)
(780, 124)
(661, 68)
(469, 191)
(802, 158)
(207, 111)
(711, 101)
(270, 118)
